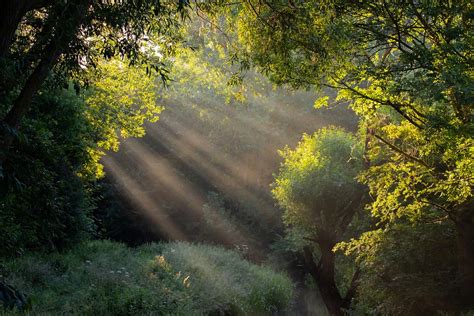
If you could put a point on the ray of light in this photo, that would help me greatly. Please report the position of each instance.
(159, 168)
(209, 160)
(203, 149)
(139, 197)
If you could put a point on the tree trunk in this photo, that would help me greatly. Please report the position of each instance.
(10, 17)
(328, 287)
(323, 275)
(32, 85)
(13, 118)
(464, 223)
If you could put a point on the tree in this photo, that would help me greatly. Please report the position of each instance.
(50, 190)
(317, 188)
(48, 168)
(406, 69)
(37, 36)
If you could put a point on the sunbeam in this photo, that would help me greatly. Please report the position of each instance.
(148, 207)
(161, 170)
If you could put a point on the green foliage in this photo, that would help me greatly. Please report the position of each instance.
(321, 164)
(423, 177)
(49, 189)
(103, 277)
(44, 204)
(119, 102)
(290, 43)
(393, 263)
(405, 67)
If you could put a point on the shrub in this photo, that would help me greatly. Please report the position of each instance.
(44, 204)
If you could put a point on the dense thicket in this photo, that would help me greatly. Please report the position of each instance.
(44, 203)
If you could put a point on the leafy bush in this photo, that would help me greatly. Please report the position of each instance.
(43, 202)
(419, 274)
(103, 277)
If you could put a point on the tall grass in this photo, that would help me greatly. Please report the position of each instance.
(107, 278)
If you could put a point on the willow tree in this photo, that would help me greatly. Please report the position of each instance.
(406, 69)
(317, 188)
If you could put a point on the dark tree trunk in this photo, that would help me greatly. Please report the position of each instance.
(328, 287)
(11, 13)
(464, 223)
(31, 86)
(10, 16)
(13, 118)
(323, 274)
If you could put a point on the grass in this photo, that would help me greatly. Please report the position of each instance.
(104, 278)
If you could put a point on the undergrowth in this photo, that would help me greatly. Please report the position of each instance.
(108, 278)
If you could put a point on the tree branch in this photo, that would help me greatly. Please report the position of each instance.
(313, 268)
(400, 151)
(351, 291)
(396, 106)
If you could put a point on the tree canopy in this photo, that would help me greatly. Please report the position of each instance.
(68, 37)
(405, 67)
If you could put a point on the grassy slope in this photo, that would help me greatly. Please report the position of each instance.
(103, 277)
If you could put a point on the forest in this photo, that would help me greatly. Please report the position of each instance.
(237, 157)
